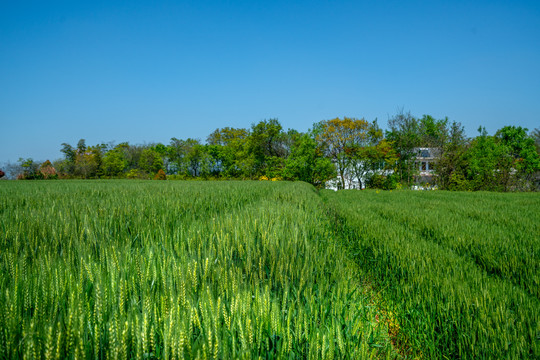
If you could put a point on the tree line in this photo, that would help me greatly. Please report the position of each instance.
(345, 150)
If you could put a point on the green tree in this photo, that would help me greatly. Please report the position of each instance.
(194, 157)
(114, 162)
(265, 149)
(339, 137)
(163, 152)
(88, 160)
(408, 133)
(29, 170)
(405, 135)
(227, 136)
(132, 154)
(381, 161)
(503, 162)
(366, 156)
(185, 156)
(535, 134)
(228, 148)
(307, 163)
(522, 150)
(70, 156)
(150, 161)
(81, 146)
(433, 132)
(451, 165)
(176, 154)
(489, 165)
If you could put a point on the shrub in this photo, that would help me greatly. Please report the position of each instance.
(136, 174)
(458, 182)
(48, 171)
(383, 182)
(160, 175)
(375, 181)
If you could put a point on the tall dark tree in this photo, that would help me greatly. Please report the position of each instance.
(433, 132)
(265, 148)
(535, 134)
(185, 156)
(408, 133)
(70, 156)
(195, 156)
(451, 165)
(81, 146)
(405, 135)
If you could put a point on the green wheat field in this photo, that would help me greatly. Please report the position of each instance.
(271, 270)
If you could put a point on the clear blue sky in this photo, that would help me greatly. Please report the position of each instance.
(148, 71)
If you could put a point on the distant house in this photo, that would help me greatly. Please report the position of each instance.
(352, 181)
(425, 162)
(425, 159)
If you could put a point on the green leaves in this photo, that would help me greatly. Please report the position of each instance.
(114, 163)
(306, 163)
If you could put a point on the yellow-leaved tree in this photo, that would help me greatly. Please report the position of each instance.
(338, 138)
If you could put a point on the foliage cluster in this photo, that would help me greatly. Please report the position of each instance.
(503, 162)
(34, 171)
(229, 153)
(353, 153)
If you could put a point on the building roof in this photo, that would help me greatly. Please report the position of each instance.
(427, 153)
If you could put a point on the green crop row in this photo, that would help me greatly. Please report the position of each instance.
(501, 234)
(134, 269)
(460, 271)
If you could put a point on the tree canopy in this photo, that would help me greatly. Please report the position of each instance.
(351, 152)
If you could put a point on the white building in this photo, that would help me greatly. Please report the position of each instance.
(352, 181)
(425, 162)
